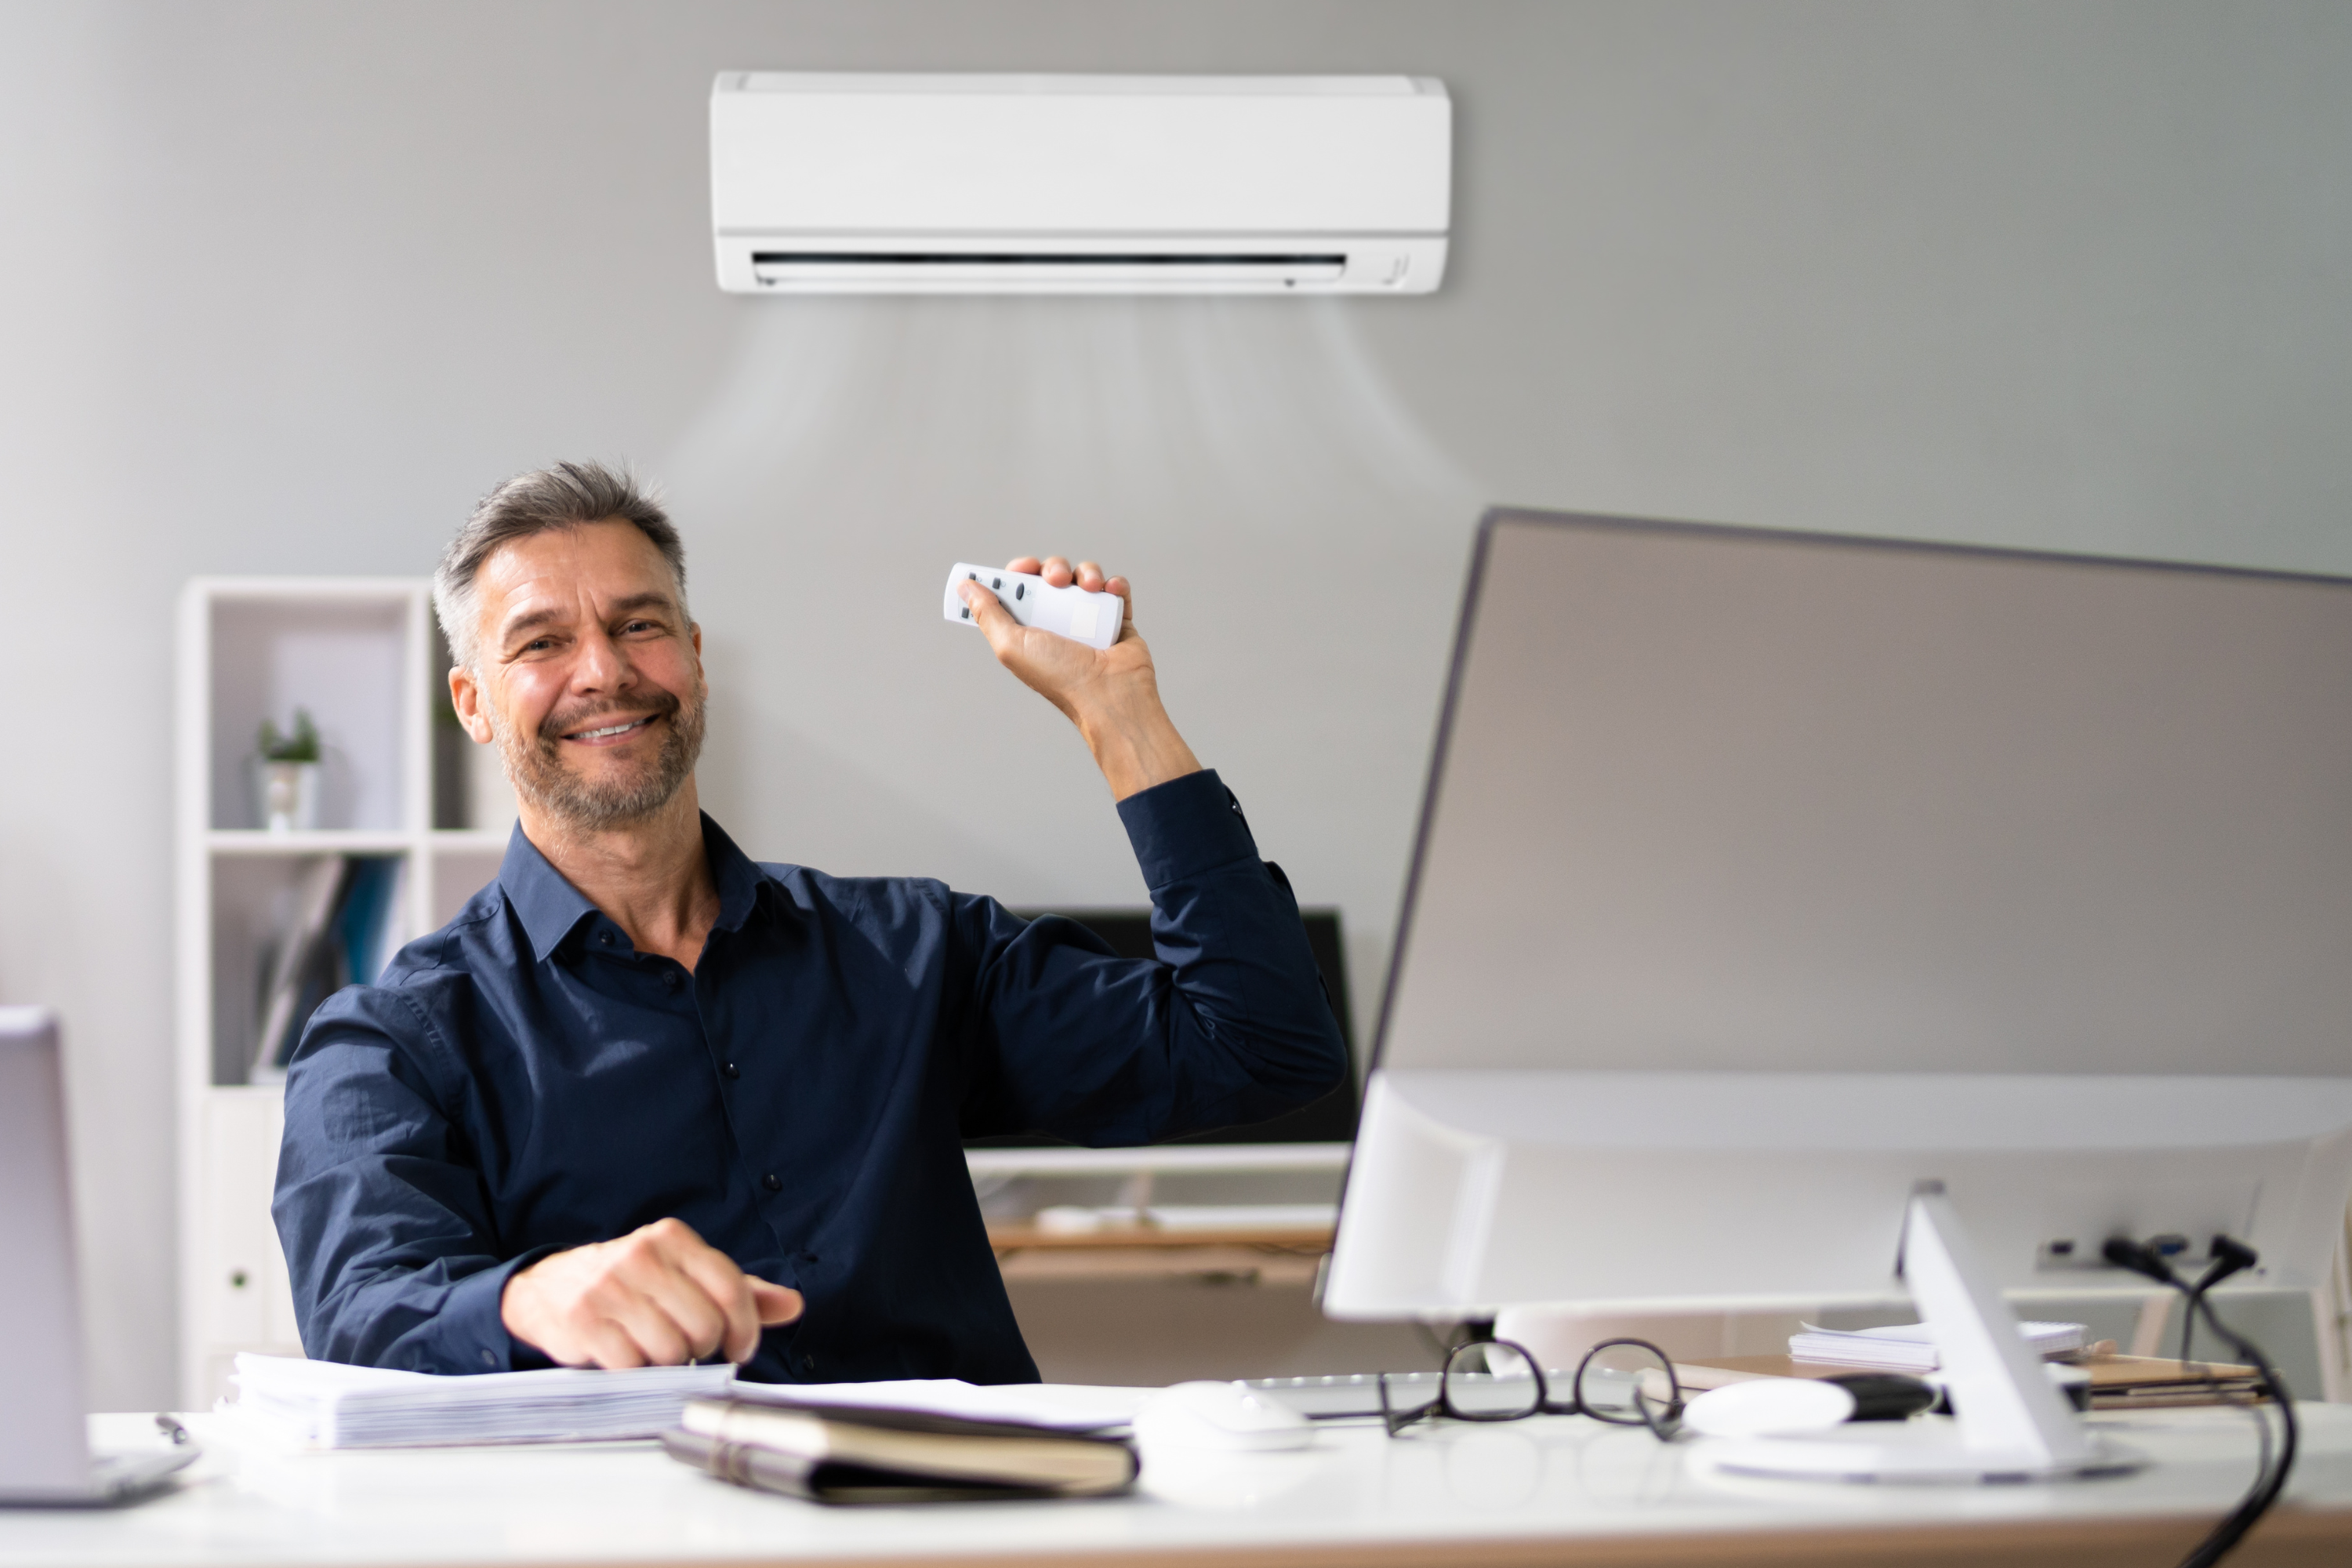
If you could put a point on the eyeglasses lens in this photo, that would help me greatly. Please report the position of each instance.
(1620, 1378)
(1491, 1382)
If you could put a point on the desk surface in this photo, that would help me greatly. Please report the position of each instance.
(1531, 1492)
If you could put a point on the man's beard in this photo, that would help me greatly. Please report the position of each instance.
(535, 764)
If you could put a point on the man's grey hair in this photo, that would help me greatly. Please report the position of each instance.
(569, 495)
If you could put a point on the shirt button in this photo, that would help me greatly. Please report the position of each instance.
(808, 1363)
(728, 1071)
(670, 978)
(772, 1182)
(490, 1358)
(605, 937)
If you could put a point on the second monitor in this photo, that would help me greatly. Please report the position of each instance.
(1762, 876)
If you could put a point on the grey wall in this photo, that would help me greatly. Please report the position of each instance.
(286, 288)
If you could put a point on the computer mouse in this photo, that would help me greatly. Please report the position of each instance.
(1224, 1415)
(1769, 1407)
(1892, 1396)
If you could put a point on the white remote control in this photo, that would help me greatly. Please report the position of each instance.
(1072, 612)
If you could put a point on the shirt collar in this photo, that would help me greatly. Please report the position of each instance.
(738, 876)
(551, 909)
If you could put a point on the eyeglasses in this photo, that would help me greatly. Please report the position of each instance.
(1626, 1383)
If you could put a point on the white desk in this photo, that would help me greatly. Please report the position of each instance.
(1554, 1489)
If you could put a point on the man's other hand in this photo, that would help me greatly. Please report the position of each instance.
(660, 1296)
(1111, 694)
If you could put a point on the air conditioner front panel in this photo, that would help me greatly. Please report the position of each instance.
(903, 169)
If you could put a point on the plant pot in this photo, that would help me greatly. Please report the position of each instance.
(285, 796)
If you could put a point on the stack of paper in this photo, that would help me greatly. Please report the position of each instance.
(2154, 1383)
(1911, 1347)
(325, 1404)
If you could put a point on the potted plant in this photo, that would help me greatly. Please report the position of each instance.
(286, 775)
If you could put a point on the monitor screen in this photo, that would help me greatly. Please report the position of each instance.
(1710, 797)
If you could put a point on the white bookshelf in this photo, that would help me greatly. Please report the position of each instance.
(362, 656)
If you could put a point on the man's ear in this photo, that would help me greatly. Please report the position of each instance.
(465, 696)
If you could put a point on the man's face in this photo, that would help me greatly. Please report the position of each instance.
(590, 676)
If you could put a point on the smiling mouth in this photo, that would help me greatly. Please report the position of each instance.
(609, 730)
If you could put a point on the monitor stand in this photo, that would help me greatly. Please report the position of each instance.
(2010, 1422)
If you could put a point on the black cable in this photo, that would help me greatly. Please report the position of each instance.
(2266, 1491)
(2270, 1478)
(2228, 1257)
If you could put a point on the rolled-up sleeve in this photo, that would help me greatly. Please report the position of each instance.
(1228, 1025)
(387, 1231)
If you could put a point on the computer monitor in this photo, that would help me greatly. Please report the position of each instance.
(45, 1455)
(1763, 877)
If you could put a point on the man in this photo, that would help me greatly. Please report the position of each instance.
(645, 1101)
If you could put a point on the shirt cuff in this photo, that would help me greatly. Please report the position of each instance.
(473, 1335)
(1184, 827)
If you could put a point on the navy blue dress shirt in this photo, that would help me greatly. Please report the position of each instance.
(524, 1079)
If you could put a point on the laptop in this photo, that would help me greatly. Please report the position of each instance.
(44, 1454)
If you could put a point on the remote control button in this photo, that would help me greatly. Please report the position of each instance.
(996, 581)
(1019, 589)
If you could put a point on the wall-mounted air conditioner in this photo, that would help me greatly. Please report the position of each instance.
(856, 183)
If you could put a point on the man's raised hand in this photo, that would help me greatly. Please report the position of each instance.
(1111, 694)
(1063, 671)
(660, 1296)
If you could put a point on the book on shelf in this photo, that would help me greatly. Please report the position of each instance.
(340, 930)
(1911, 1347)
(870, 1454)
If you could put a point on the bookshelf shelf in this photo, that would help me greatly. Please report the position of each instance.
(362, 657)
(318, 841)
